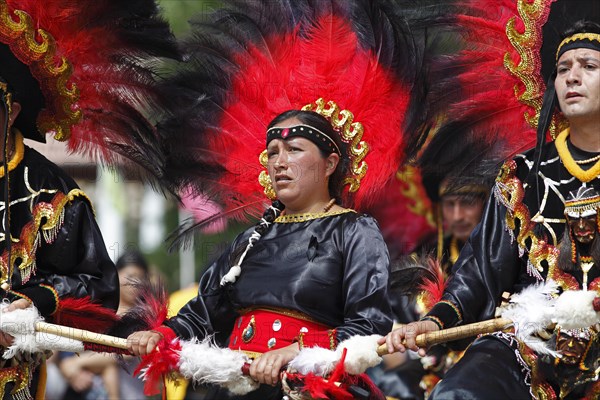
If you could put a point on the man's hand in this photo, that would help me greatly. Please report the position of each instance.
(404, 337)
(6, 340)
(142, 343)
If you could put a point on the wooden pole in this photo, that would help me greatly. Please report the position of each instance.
(456, 333)
(81, 335)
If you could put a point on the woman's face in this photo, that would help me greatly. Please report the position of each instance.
(129, 275)
(298, 171)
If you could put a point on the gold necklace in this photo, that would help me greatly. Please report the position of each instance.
(589, 160)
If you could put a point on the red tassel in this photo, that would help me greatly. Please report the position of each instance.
(161, 362)
(82, 313)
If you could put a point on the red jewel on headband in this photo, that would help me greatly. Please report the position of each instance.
(285, 132)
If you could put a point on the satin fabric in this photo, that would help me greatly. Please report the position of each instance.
(75, 263)
(491, 262)
(334, 269)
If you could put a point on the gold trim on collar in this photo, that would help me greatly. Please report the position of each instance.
(569, 162)
(291, 218)
(18, 156)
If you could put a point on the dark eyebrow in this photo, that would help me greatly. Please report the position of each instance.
(581, 59)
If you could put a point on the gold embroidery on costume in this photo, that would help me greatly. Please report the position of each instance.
(408, 175)
(21, 376)
(509, 191)
(541, 390)
(51, 71)
(47, 220)
(291, 218)
(527, 44)
(18, 156)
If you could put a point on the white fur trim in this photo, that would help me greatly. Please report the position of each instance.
(205, 362)
(362, 353)
(316, 360)
(574, 309)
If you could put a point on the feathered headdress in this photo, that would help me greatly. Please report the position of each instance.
(494, 88)
(83, 72)
(355, 62)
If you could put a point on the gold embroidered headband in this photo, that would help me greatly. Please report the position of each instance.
(579, 40)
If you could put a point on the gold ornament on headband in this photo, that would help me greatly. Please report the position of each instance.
(351, 133)
(578, 36)
(264, 179)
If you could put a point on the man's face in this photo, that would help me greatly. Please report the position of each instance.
(578, 84)
(583, 228)
(461, 214)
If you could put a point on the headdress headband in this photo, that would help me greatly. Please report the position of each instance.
(321, 139)
(577, 41)
(584, 203)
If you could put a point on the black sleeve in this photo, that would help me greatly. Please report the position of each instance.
(74, 263)
(210, 312)
(489, 264)
(367, 308)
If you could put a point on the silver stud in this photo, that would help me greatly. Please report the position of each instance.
(304, 329)
(271, 343)
(276, 325)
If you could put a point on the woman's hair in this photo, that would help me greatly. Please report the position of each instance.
(321, 123)
(132, 257)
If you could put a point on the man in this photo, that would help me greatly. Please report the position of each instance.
(63, 71)
(515, 245)
(461, 205)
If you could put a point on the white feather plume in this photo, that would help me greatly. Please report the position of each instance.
(362, 353)
(574, 309)
(531, 312)
(205, 362)
(316, 360)
(20, 324)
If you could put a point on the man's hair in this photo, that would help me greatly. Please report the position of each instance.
(581, 26)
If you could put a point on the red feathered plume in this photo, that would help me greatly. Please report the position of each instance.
(83, 314)
(94, 63)
(327, 62)
(491, 91)
(278, 57)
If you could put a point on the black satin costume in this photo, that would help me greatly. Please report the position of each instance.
(506, 253)
(333, 267)
(57, 248)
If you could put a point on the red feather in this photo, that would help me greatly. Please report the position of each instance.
(82, 313)
(158, 364)
(433, 289)
(275, 80)
(107, 44)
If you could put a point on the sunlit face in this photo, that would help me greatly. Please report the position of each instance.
(578, 84)
(128, 276)
(583, 228)
(461, 215)
(298, 170)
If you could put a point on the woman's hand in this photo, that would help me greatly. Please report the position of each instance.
(6, 340)
(266, 368)
(404, 337)
(143, 342)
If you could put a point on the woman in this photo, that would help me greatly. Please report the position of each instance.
(313, 276)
